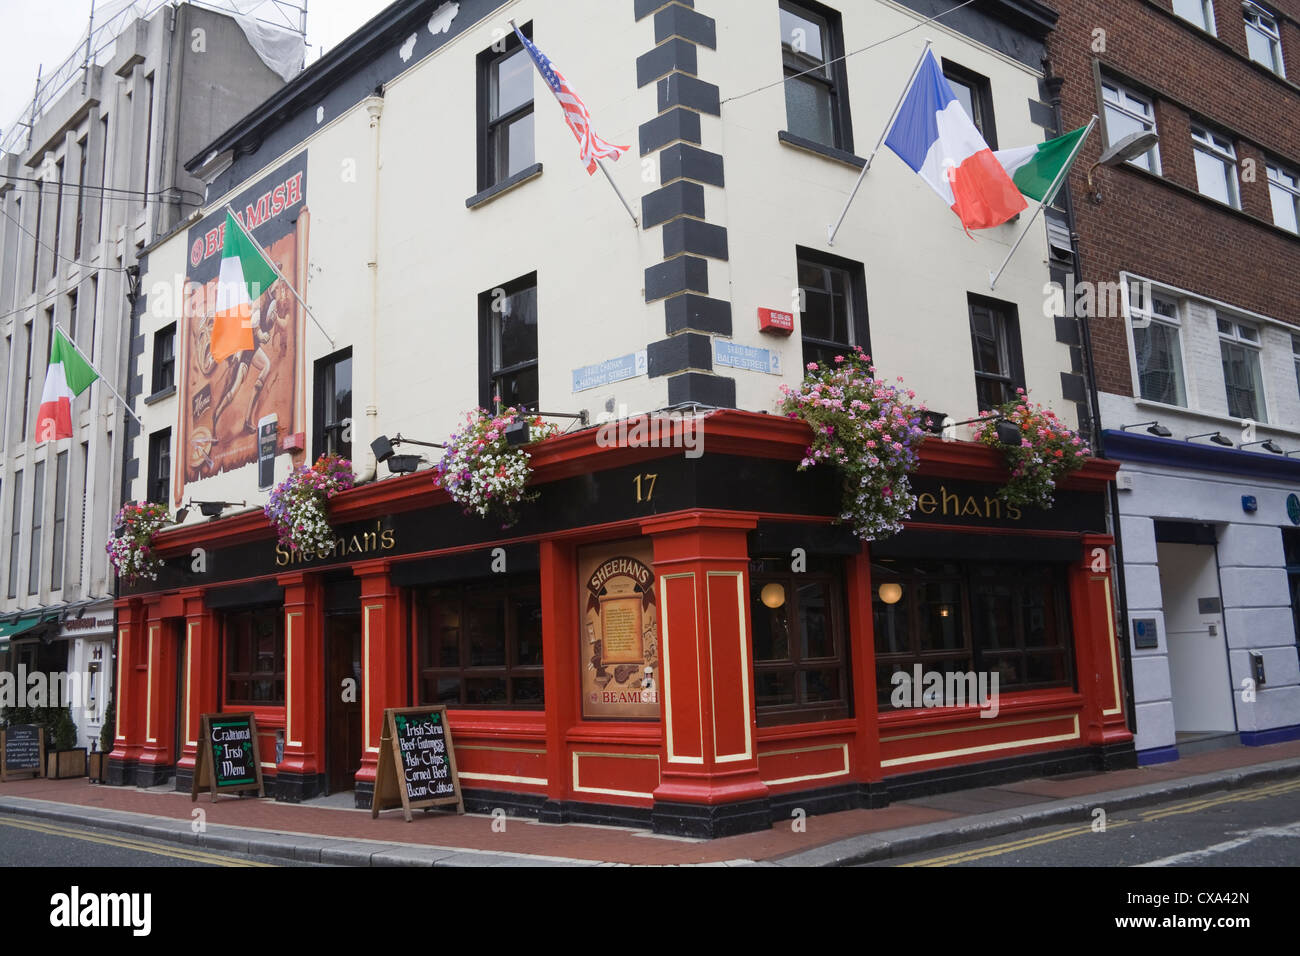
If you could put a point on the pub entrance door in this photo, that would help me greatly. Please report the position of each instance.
(343, 685)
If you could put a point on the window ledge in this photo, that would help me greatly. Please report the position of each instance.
(159, 396)
(503, 187)
(1215, 417)
(820, 149)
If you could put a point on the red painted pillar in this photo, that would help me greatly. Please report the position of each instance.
(862, 657)
(710, 785)
(563, 668)
(200, 677)
(128, 682)
(383, 655)
(1100, 664)
(159, 680)
(304, 676)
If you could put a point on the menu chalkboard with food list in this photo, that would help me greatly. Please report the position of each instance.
(228, 760)
(417, 763)
(24, 750)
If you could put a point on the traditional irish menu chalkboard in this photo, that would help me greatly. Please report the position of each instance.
(228, 760)
(417, 766)
(24, 750)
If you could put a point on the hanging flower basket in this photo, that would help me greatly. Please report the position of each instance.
(482, 472)
(297, 506)
(1048, 451)
(870, 431)
(130, 550)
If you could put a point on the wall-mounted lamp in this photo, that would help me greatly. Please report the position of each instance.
(1155, 428)
(520, 433)
(399, 464)
(212, 509)
(773, 595)
(1008, 432)
(1215, 437)
(891, 592)
(1128, 148)
(1268, 445)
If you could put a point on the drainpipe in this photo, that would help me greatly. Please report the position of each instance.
(374, 105)
(1054, 84)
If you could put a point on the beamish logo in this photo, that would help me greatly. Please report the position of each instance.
(74, 909)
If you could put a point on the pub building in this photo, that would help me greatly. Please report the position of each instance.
(702, 659)
(676, 633)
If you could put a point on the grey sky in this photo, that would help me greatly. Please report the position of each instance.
(46, 31)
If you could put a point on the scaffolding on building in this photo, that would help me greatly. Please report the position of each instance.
(276, 30)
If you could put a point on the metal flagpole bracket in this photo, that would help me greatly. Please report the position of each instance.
(99, 376)
(833, 231)
(267, 259)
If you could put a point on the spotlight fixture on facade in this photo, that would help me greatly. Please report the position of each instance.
(1128, 148)
(181, 515)
(404, 464)
(1268, 445)
(383, 447)
(1155, 428)
(521, 434)
(1215, 437)
(1008, 431)
(212, 509)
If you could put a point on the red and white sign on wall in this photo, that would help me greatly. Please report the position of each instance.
(774, 322)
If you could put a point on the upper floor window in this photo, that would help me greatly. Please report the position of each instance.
(1200, 12)
(158, 483)
(1216, 167)
(833, 296)
(1157, 347)
(505, 84)
(801, 646)
(1295, 350)
(995, 344)
(164, 359)
(975, 94)
(333, 413)
(508, 353)
(1263, 37)
(1126, 113)
(1284, 190)
(1239, 344)
(816, 87)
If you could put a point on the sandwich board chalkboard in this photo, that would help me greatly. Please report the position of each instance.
(23, 747)
(417, 764)
(228, 760)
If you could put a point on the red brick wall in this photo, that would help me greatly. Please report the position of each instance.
(1159, 227)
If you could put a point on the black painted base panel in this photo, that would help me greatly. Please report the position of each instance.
(152, 775)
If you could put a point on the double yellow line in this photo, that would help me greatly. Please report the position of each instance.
(1148, 816)
(128, 843)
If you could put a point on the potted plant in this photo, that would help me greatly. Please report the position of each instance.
(1048, 450)
(63, 758)
(482, 471)
(297, 506)
(869, 431)
(130, 549)
(97, 760)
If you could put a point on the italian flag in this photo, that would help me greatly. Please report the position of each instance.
(1035, 169)
(69, 375)
(244, 277)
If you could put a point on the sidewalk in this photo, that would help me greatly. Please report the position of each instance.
(324, 832)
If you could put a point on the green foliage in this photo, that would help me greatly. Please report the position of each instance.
(60, 729)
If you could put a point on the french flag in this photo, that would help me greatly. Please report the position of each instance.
(934, 136)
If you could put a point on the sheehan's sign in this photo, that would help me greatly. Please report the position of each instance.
(620, 676)
(969, 503)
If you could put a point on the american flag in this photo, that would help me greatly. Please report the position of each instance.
(575, 111)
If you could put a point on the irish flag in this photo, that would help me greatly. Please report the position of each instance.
(1036, 169)
(244, 277)
(69, 375)
(934, 136)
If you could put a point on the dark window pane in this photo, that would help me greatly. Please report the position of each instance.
(512, 82)
(810, 112)
(771, 628)
(940, 617)
(820, 686)
(993, 620)
(814, 622)
(892, 624)
(528, 630)
(772, 689)
(487, 628)
(528, 690)
(485, 691)
(516, 330)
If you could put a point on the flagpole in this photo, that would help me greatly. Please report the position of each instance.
(1050, 195)
(267, 259)
(100, 375)
(618, 192)
(833, 231)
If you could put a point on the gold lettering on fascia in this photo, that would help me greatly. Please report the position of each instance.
(949, 505)
(369, 542)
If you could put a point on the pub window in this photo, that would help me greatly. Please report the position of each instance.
(480, 644)
(801, 655)
(505, 98)
(995, 344)
(334, 404)
(816, 86)
(160, 466)
(833, 306)
(959, 618)
(255, 656)
(164, 358)
(975, 94)
(508, 344)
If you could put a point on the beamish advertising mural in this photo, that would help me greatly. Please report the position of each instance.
(224, 403)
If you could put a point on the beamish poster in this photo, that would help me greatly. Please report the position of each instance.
(222, 403)
(620, 643)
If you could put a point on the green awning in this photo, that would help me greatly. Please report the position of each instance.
(23, 624)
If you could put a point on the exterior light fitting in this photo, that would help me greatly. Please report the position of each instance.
(773, 595)
(1215, 437)
(1128, 148)
(1268, 445)
(1155, 429)
(891, 592)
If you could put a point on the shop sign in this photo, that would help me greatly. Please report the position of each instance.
(620, 650)
(24, 750)
(417, 762)
(611, 371)
(954, 502)
(746, 357)
(228, 760)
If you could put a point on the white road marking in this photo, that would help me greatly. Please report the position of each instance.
(1246, 837)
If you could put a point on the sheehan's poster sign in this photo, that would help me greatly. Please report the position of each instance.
(620, 642)
(223, 403)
